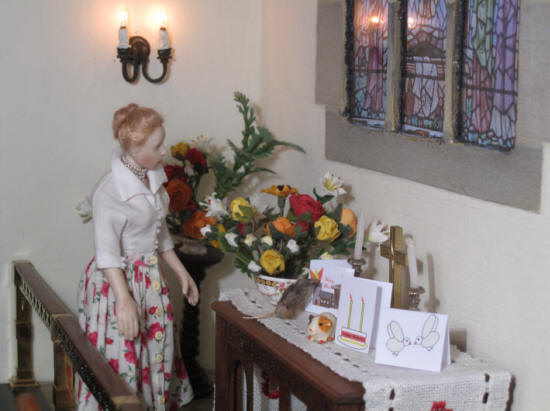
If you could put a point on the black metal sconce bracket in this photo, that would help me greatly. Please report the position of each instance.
(138, 55)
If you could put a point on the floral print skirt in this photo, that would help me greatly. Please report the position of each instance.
(151, 363)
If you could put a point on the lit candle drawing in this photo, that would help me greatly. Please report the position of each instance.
(362, 312)
(163, 34)
(350, 307)
(359, 238)
(122, 32)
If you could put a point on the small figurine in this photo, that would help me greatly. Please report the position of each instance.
(321, 328)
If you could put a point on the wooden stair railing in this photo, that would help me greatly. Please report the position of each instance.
(72, 349)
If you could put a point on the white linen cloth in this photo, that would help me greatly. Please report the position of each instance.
(468, 384)
(128, 217)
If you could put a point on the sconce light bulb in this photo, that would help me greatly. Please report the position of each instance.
(163, 18)
(410, 21)
(123, 13)
(375, 19)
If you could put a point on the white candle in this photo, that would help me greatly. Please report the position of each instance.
(359, 238)
(411, 256)
(163, 39)
(122, 32)
(123, 38)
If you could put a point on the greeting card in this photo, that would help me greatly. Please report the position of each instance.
(413, 339)
(329, 273)
(357, 313)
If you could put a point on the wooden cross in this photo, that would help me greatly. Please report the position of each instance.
(394, 250)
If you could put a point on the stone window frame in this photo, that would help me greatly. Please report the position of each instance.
(511, 178)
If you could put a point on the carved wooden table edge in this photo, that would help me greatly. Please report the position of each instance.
(242, 343)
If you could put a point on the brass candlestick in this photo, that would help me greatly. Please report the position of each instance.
(357, 265)
(414, 298)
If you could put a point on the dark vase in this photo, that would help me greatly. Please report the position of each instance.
(196, 258)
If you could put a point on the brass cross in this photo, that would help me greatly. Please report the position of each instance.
(394, 250)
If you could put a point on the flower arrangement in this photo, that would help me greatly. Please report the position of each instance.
(282, 243)
(187, 216)
(184, 177)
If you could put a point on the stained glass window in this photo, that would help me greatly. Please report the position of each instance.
(369, 64)
(490, 73)
(424, 83)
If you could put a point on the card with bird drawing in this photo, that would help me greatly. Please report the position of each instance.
(329, 273)
(357, 313)
(413, 339)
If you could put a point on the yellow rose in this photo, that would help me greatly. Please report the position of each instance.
(326, 229)
(272, 261)
(179, 150)
(241, 210)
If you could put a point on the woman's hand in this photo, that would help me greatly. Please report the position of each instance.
(189, 288)
(127, 311)
(127, 316)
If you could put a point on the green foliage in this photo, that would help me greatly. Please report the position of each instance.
(257, 143)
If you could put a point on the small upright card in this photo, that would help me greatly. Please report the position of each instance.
(383, 301)
(413, 339)
(359, 299)
(330, 274)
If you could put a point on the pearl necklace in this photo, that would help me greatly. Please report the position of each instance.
(138, 171)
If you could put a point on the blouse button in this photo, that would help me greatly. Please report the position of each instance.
(159, 358)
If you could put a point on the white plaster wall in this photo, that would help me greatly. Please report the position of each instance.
(484, 264)
(60, 84)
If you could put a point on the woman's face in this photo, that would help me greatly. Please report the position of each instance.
(150, 154)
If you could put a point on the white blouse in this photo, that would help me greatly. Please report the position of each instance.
(129, 219)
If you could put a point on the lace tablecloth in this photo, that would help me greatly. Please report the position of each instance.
(468, 384)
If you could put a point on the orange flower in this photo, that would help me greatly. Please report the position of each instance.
(192, 226)
(283, 225)
(280, 191)
(348, 218)
(180, 194)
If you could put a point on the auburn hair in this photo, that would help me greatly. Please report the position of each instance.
(133, 124)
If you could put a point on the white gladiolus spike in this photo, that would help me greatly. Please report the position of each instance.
(232, 239)
(332, 185)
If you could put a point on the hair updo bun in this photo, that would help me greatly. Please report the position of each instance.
(133, 124)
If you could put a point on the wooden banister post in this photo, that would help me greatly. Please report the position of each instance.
(63, 382)
(24, 376)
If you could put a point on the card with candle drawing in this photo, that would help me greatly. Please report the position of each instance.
(357, 313)
(329, 273)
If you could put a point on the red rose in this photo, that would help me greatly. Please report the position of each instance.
(145, 376)
(195, 157)
(152, 310)
(302, 203)
(114, 364)
(174, 172)
(130, 357)
(240, 227)
(304, 225)
(105, 289)
(156, 327)
(180, 369)
(169, 311)
(93, 337)
(108, 340)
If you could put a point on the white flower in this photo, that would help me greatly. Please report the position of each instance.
(327, 256)
(206, 230)
(249, 239)
(267, 240)
(201, 143)
(378, 233)
(292, 246)
(188, 168)
(255, 268)
(215, 207)
(84, 209)
(241, 169)
(332, 185)
(232, 239)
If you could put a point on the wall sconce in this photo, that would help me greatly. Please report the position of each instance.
(135, 53)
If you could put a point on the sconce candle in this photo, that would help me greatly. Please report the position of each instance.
(163, 37)
(122, 32)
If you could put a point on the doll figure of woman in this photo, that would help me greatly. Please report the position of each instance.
(123, 303)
